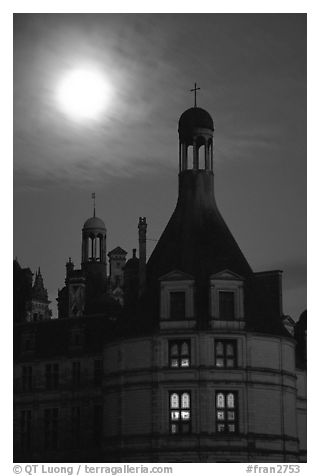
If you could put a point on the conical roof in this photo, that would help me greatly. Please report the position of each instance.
(197, 240)
(38, 290)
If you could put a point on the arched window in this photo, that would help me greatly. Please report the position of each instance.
(201, 157)
(180, 413)
(225, 353)
(174, 350)
(174, 400)
(185, 400)
(230, 400)
(179, 353)
(226, 412)
(219, 348)
(185, 348)
(89, 247)
(220, 400)
(210, 153)
(230, 350)
(189, 156)
(98, 247)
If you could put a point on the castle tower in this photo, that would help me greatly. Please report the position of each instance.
(94, 256)
(39, 306)
(94, 259)
(196, 241)
(117, 261)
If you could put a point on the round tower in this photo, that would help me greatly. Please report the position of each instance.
(94, 256)
(195, 136)
(196, 240)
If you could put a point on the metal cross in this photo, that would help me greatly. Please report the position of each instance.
(195, 89)
(93, 196)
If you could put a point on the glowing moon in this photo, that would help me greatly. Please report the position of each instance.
(83, 94)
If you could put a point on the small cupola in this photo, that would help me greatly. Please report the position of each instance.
(195, 138)
(94, 235)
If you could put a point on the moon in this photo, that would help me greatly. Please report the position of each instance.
(83, 94)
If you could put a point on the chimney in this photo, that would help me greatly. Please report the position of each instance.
(142, 254)
(69, 269)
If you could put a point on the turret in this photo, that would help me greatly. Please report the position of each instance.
(39, 306)
(196, 241)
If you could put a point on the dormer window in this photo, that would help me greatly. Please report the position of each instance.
(176, 299)
(177, 305)
(226, 305)
(226, 297)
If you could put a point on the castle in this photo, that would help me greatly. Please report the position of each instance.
(184, 358)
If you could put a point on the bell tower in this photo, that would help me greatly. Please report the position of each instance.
(195, 138)
(94, 254)
(196, 241)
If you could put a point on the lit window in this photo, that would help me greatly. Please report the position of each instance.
(225, 353)
(179, 353)
(177, 305)
(180, 412)
(226, 305)
(226, 412)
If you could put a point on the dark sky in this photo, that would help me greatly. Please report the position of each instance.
(252, 72)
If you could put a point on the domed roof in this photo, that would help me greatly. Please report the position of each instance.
(94, 223)
(195, 117)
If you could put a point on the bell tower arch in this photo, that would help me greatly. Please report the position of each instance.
(195, 138)
(94, 246)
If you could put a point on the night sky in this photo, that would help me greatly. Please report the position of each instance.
(252, 73)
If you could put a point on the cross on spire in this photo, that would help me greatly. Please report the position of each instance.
(195, 89)
(93, 196)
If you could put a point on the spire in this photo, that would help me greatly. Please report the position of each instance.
(195, 89)
(93, 196)
(38, 289)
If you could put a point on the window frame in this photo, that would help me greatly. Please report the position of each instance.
(222, 292)
(226, 409)
(177, 316)
(179, 421)
(227, 281)
(180, 356)
(224, 355)
(176, 281)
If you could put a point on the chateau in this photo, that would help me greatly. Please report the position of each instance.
(184, 358)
